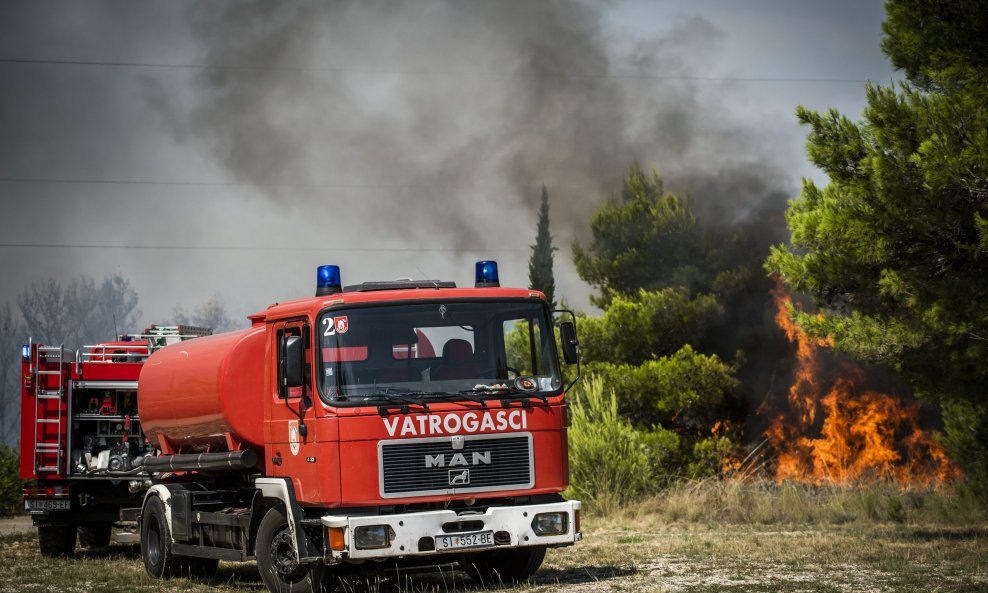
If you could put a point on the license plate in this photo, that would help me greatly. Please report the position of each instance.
(484, 539)
(46, 505)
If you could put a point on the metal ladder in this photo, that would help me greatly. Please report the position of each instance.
(44, 447)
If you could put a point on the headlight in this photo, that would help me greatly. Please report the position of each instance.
(550, 523)
(369, 537)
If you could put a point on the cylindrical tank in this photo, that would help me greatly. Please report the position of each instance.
(197, 392)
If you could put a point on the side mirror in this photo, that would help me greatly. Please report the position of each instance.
(567, 336)
(293, 361)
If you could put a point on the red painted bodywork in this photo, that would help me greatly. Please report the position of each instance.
(195, 394)
(218, 392)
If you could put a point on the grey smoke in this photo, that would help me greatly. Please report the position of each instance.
(398, 125)
(445, 117)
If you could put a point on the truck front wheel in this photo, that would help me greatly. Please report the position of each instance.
(276, 561)
(57, 540)
(506, 567)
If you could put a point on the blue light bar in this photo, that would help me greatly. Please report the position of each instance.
(328, 280)
(487, 274)
(26, 351)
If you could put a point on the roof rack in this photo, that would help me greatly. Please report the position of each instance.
(137, 347)
(180, 331)
(159, 336)
(399, 285)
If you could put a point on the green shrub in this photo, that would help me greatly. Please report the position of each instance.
(966, 440)
(687, 392)
(708, 456)
(674, 404)
(664, 455)
(11, 497)
(647, 325)
(609, 460)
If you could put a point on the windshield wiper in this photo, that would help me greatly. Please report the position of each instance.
(405, 396)
(401, 405)
(517, 394)
(402, 394)
(473, 396)
(408, 400)
(467, 394)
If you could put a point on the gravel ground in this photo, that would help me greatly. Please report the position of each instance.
(18, 524)
(645, 556)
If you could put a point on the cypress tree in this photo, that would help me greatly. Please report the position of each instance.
(540, 275)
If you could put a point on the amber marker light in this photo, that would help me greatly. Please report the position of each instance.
(337, 543)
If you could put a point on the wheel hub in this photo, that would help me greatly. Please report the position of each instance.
(283, 553)
(153, 549)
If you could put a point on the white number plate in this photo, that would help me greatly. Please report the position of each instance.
(46, 505)
(484, 539)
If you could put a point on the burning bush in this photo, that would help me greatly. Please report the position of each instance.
(833, 429)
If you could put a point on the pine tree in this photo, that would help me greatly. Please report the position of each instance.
(894, 247)
(540, 275)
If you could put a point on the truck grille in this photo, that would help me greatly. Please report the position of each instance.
(434, 466)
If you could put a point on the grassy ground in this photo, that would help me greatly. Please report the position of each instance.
(709, 537)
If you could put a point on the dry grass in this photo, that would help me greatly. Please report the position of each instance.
(767, 503)
(704, 537)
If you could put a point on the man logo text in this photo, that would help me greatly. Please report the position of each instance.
(458, 459)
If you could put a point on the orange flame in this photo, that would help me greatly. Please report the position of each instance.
(846, 433)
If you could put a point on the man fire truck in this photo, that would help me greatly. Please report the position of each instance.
(406, 424)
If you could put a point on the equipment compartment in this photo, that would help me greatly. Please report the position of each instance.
(105, 436)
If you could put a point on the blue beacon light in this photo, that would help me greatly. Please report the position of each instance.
(487, 275)
(328, 280)
(26, 351)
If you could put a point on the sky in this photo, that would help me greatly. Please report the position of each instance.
(229, 148)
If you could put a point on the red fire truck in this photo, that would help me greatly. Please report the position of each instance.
(401, 424)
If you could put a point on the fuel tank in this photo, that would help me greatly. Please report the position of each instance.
(200, 395)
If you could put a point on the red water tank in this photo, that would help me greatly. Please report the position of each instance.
(197, 392)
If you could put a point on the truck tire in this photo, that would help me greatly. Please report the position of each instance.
(95, 536)
(275, 557)
(505, 566)
(56, 540)
(156, 541)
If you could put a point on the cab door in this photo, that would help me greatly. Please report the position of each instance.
(292, 423)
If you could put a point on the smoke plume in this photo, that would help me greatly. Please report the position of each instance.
(441, 119)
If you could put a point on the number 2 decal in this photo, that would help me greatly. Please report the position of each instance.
(330, 326)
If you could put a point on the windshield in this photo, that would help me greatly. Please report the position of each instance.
(435, 349)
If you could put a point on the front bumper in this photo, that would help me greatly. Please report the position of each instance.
(414, 533)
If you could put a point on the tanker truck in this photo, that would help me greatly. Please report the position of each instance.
(395, 425)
